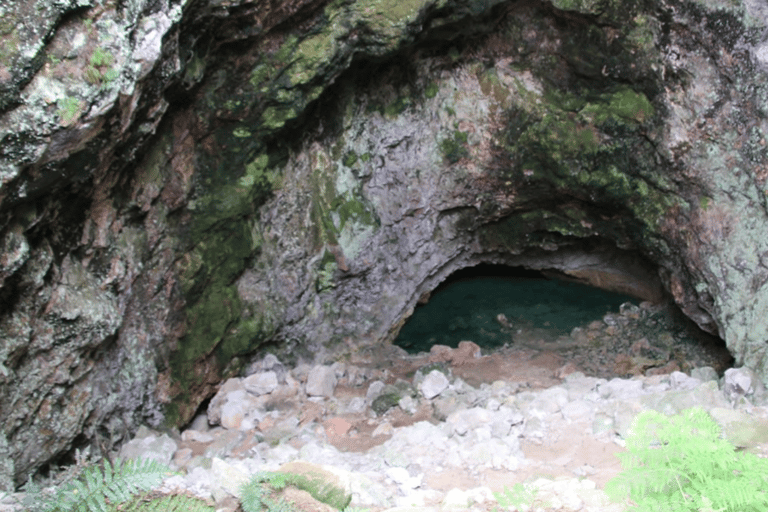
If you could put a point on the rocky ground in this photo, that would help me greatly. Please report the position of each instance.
(445, 429)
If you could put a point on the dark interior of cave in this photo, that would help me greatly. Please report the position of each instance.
(469, 305)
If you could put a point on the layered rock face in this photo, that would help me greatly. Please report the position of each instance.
(187, 184)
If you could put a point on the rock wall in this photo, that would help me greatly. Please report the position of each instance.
(186, 184)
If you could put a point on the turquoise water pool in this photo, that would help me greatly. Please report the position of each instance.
(467, 309)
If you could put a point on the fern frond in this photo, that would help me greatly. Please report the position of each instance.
(97, 489)
(681, 464)
(167, 503)
(255, 493)
(138, 475)
(320, 490)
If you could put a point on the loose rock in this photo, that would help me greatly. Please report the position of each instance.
(447, 446)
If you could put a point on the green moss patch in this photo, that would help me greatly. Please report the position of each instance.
(385, 402)
(350, 159)
(623, 105)
(431, 90)
(397, 107)
(454, 148)
(219, 325)
(590, 146)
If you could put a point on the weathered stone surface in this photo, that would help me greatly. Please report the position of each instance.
(150, 445)
(433, 384)
(321, 381)
(172, 202)
(261, 383)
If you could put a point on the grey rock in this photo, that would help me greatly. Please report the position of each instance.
(401, 476)
(447, 403)
(374, 391)
(220, 398)
(738, 382)
(6, 466)
(602, 424)
(551, 400)
(466, 420)
(472, 439)
(390, 396)
(504, 420)
(490, 453)
(151, 446)
(196, 436)
(240, 411)
(442, 367)
(579, 386)
(321, 381)
(224, 441)
(356, 405)
(434, 383)
(620, 388)
(227, 477)
(704, 374)
(575, 411)
(269, 363)
(261, 383)
(461, 387)
(200, 423)
(679, 380)
(673, 402)
(408, 404)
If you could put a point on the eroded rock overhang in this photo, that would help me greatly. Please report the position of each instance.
(562, 140)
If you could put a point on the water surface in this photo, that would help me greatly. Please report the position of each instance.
(467, 309)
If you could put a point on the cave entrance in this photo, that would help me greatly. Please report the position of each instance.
(494, 305)
(608, 334)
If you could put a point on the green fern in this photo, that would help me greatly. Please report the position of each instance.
(95, 488)
(518, 495)
(255, 496)
(256, 493)
(680, 464)
(167, 503)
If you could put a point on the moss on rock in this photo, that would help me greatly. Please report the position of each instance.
(454, 148)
